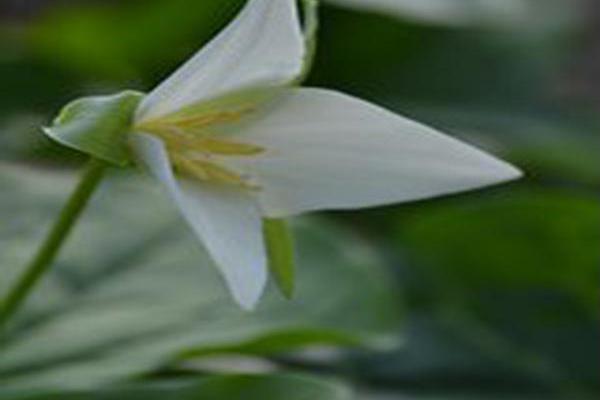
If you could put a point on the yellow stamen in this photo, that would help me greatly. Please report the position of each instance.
(228, 148)
(191, 146)
(201, 121)
(192, 123)
(211, 172)
(180, 142)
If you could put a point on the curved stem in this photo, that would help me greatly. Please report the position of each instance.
(311, 29)
(54, 241)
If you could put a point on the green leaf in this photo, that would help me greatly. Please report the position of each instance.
(546, 238)
(267, 387)
(280, 250)
(506, 288)
(133, 292)
(97, 126)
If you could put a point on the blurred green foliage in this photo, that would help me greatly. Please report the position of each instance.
(292, 387)
(541, 239)
(129, 42)
(125, 302)
(500, 288)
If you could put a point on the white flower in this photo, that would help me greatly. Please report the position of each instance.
(234, 143)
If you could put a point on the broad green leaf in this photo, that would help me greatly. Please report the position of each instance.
(449, 351)
(267, 387)
(506, 287)
(97, 126)
(133, 291)
(546, 238)
(280, 249)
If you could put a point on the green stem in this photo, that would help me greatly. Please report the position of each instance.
(55, 239)
(311, 29)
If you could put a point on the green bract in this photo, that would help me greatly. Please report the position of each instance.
(97, 126)
(280, 253)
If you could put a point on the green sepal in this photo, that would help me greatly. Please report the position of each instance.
(280, 252)
(98, 126)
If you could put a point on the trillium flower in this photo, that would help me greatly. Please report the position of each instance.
(235, 144)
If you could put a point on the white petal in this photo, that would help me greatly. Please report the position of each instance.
(326, 150)
(226, 220)
(263, 46)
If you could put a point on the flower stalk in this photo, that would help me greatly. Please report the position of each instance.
(311, 29)
(49, 249)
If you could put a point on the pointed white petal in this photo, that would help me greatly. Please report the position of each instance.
(226, 220)
(263, 46)
(326, 150)
(230, 224)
